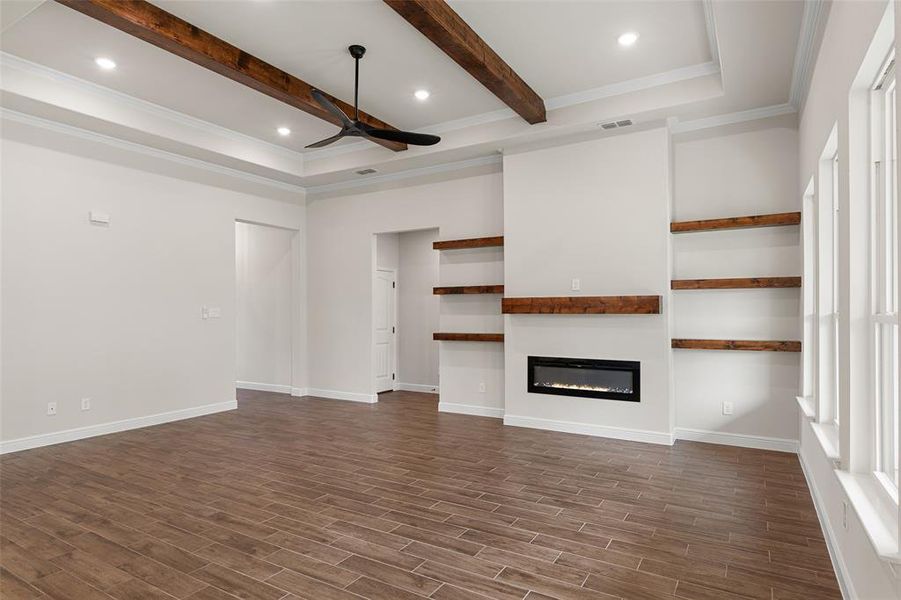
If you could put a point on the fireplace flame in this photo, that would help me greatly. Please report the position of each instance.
(584, 388)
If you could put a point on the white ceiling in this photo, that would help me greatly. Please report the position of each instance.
(559, 47)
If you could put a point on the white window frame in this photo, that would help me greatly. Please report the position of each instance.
(827, 291)
(883, 279)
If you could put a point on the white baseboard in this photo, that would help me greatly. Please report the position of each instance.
(470, 409)
(336, 395)
(417, 387)
(736, 439)
(635, 435)
(300, 391)
(263, 387)
(70, 435)
(838, 564)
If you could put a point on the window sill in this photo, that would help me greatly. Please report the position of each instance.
(806, 404)
(877, 513)
(827, 434)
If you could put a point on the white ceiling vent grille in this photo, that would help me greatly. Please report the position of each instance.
(616, 124)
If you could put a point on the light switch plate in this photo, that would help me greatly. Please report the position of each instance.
(215, 312)
(85, 404)
(727, 408)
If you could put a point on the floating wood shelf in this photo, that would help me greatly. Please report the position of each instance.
(583, 305)
(751, 345)
(468, 337)
(468, 289)
(485, 242)
(774, 220)
(735, 283)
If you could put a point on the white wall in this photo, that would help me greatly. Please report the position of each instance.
(849, 32)
(113, 312)
(744, 169)
(387, 251)
(418, 309)
(341, 258)
(264, 306)
(597, 211)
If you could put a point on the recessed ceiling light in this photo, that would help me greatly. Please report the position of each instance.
(107, 64)
(628, 38)
(283, 131)
(421, 94)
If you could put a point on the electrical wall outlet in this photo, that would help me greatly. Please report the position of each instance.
(482, 387)
(51, 409)
(577, 285)
(728, 408)
(85, 404)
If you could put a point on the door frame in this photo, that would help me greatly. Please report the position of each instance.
(372, 377)
(298, 345)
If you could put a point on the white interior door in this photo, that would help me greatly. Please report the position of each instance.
(384, 321)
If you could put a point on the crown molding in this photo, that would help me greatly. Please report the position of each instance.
(27, 66)
(813, 21)
(35, 4)
(407, 174)
(87, 134)
(712, 39)
(634, 85)
(558, 102)
(753, 114)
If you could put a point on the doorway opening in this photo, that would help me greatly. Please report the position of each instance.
(264, 307)
(405, 312)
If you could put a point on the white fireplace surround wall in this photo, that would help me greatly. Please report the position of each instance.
(598, 211)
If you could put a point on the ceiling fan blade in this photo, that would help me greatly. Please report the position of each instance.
(405, 137)
(328, 105)
(327, 141)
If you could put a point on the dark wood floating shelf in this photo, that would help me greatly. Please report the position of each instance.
(468, 337)
(468, 289)
(583, 305)
(485, 242)
(774, 220)
(735, 283)
(751, 345)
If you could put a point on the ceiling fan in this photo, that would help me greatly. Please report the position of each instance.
(356, 128)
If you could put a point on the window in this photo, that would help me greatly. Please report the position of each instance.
(809, 346)
(883, 278)
(836, 367)
(827, 286)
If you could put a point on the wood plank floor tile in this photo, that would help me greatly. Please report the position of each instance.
(391, 575)
(309, 499)
(17, 589)
(337, 576)
(308, 587)
(237, 584)
(63, 586)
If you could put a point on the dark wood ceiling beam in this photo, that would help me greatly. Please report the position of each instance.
(164, 30)
(447, 30)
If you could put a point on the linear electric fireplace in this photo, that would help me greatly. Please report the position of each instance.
(586, 377)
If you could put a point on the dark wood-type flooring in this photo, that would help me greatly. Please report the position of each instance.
(291, 498)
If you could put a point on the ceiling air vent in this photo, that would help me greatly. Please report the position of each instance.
(366, 171)
(616, 124)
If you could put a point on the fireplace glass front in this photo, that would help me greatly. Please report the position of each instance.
(586, 377)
